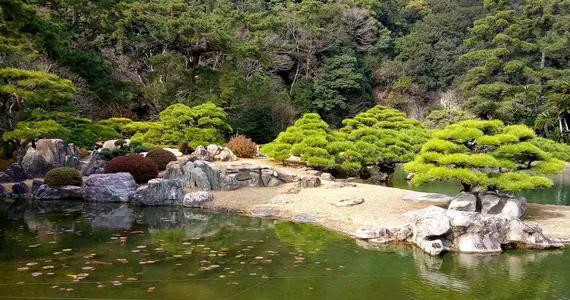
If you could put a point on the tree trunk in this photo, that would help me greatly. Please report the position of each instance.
(466, 187)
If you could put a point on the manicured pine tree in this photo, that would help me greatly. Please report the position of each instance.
(485, 155)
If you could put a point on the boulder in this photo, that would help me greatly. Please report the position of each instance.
(376, 174)
(159, 192)
(212, 173)
(500, 205)
(110, 144)
(200, 153)
(49, 154)
(96, 164)
(46, 192)
(310, 182)
(327, 176)
(176, 170)
(197, 199)
(229, 183)
(20, 188)
(464, 202)
(115, 187)
(14, 173)
(199, 179)
(430, 230)
(36, 185)
(221, 153)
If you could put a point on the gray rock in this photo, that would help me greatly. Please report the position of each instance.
(200, 153)
(229, 183)
(212, 173)
(431, 227)
(159, 192)
(221, 153)
(46, 192)
(327, 176)
(366, 233)
(410, 176)
(36, 185)
(285, 177)
(307, 217)
(173, 171)
(253, 180)
(266, 212)
(428, 197)
(199, 179)
(49, 154)
(339, 185)
(96, 164)
(500, 205)
(20, 188)
(110, 144)
(197, 199)
(347, 202)
(464, 202)
(378, 175)
(310, 182)
(14, 173)
(115, 187)
(294, 189)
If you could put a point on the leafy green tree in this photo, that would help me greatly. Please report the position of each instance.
(383, 137)
(339, 88)
(485, 155)
(23, 92)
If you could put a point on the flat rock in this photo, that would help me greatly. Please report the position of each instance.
(428, 197)
(46, 192)
(197, 199)
(265, 212)
(347, 202)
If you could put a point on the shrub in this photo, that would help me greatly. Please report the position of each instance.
(242, 146)
(63, 176)
(142, 168)
(161, 157)
(83, 153)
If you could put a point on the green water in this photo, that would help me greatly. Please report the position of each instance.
(177, 253)
(558, 194)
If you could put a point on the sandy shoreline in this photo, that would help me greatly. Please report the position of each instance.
(382, 207)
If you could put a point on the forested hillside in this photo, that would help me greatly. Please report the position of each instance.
(268, 62)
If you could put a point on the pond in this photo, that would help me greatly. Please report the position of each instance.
(558, 194)
(58, 250)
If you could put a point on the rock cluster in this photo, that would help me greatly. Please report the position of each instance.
(436, 230)
(96, 164)
(49, 154)
(213, 153)
(490, 204)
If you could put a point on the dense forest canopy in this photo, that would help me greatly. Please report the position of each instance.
(268, 62)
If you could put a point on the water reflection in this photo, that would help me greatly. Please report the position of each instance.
(218, 256)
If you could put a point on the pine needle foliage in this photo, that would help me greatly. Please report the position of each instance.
(485, 155)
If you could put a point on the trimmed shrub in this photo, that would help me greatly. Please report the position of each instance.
(161, 157)
(242, 146)
(63, 176)
(142, 168)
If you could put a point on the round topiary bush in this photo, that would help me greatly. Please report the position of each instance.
(63, 176)
(242, 146)
(161, 157)
(142, 168)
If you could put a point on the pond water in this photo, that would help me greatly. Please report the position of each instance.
(558, 194)
(59, 250)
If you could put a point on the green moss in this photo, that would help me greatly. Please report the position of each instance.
(63, 176)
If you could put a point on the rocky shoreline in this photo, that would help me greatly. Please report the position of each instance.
(485, 222)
